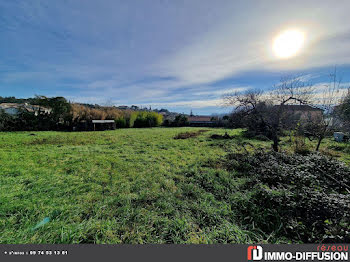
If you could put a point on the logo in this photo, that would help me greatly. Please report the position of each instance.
(255, 253)
(332, 253)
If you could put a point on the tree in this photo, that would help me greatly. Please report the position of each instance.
(327, 100)
(266, 112)
(60, 115)
(342, 111)
(290, 90)
(7, 122)
(180, 120)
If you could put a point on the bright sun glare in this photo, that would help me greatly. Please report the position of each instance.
(288, 43)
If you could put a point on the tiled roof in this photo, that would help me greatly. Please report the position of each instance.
(199, 119)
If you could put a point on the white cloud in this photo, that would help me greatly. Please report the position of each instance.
(191, 104)
(106, 49)
(221, 91)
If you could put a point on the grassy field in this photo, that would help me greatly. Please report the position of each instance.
(122, 186)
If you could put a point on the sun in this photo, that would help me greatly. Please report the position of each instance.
(288, 43)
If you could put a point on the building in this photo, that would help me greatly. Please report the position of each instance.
(201, 121)
(15, 108)
(299, 114)
(123, 107)
(103, 125)
(95, 125)
(302, 112)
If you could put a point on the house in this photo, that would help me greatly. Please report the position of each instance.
(201, 121)
(123, 107)
(302, 112)
(299, 114)
(10, 108)
(15, 108)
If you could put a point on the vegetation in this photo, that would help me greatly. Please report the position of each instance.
(269, 114)
(180, 120)
(178, 185)
(185, 135)
(82, 112)
(64, 115)
(265, 114)
(145, 119)
(305, 199)
(342, 111)
(59, 117)
(144, 186)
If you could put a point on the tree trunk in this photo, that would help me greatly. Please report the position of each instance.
(275, 143)
(319, 143)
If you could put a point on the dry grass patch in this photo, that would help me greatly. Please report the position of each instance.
(185, 135)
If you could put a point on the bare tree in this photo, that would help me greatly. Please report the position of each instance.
(330, 95)
(268, 109)
(290, 90)
(342, 112)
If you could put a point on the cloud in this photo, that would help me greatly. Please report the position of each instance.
(166, 52)
(243, 43)
(192, 104)
(222, 91)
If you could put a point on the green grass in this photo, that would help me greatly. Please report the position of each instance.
(122, 186)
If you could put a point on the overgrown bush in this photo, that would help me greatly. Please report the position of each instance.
(120, 122)
(82, 112)
(300, 146)
(7, 122)
(302, 198)
(145, 119)
(180, 120)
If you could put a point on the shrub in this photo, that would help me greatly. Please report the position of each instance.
(120, 122)
(300, 146)
(261, 137)
(145, 119)
(303, 198)
(7, 122)
(180, 120)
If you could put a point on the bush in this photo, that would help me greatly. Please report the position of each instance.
(120, 122)
(300, 146)
(180, 120)
(145, 119)
(7, 122)
(82, 112)
(303, 198)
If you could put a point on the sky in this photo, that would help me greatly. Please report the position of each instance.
(181, 55)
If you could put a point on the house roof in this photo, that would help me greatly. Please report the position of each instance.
(300, 108)
(10, 105)
(199, 119)
(28, 107)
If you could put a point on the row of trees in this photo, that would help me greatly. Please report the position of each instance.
(64, 115)
(58, 117)
(269, 114)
